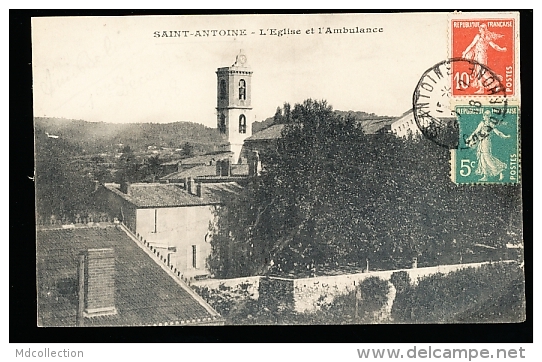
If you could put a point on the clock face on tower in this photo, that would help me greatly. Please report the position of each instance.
(242, 59)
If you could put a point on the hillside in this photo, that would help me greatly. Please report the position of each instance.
(98, 137)
(370, 122)
(94, 137)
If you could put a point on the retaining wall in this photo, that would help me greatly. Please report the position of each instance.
(251, 283)
(310, 293)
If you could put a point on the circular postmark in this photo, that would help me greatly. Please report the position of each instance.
(432, 100)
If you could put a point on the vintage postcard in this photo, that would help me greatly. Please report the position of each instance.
(278, 169)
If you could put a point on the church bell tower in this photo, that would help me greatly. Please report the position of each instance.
(234, 108)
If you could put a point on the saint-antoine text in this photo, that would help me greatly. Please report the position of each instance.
(265, 32)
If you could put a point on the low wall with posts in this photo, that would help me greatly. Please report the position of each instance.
(82, 219)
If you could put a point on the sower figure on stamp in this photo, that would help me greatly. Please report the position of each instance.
(477, 50)
(488, 165)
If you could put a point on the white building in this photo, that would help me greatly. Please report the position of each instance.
(405, 125)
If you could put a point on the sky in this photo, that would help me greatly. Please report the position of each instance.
(113, 69)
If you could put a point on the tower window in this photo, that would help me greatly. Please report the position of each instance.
(242, 124)
(223, 89)
(222, 123)
(242, 90)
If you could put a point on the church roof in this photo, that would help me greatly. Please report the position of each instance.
(145, 294)
(205, 171)
(270, 133)
(205, 159)
(191, 172)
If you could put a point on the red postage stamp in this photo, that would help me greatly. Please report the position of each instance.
(490, 42)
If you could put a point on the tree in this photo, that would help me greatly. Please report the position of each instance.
(154, 167)
(277, 118)
(330, 195)
(62, 188)
(187, 150)
(127, 166)
(289, 205)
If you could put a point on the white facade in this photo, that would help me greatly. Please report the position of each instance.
(405, 125)
(181, 233)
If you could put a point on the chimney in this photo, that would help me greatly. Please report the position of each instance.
(125, 187)
(198, 189)
(96, 284)
(190, 185)
(225, 168)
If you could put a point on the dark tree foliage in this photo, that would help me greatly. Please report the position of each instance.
(491, 293)
(331, 195)
(154, 168)
(63, 185)
(127, 166)
(187, 150)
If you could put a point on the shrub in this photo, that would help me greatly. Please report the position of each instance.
(402, 305)
(373, 295)
(490, 293)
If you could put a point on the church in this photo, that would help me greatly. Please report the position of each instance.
(173, 216)
(234, 105)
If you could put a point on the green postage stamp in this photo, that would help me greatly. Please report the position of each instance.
(488, 149)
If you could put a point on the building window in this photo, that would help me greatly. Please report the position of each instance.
(242, 124)
(194, 257)
(222, 123)
(223, 89)
(155, 219)
(242, 90)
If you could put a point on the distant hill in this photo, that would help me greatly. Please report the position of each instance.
(98, 137)
(260, 126)
(95, 137)
(370, 122)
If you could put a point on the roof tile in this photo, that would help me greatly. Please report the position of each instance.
(144, 293)
(173, 195)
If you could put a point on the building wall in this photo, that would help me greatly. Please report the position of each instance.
(405, 125)
(179, 229)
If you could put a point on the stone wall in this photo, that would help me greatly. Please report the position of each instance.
(306, 294)
(227, 296)
(310, 293)
(250, 284)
